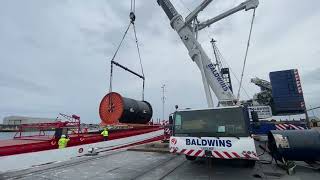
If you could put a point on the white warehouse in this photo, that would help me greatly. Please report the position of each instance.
(17, 120)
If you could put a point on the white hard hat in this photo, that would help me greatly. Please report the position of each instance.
(63, 136)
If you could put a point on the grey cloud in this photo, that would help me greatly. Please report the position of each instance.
(312, 77)
(21, 84)
(63, 49)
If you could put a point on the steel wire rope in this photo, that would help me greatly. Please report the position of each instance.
(115, 54)
(133, 6)
(139, 54)
(224, 61)
(132, 20)
(222, 58)
(246, 54)
(133, 17)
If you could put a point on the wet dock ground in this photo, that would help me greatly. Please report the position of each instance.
(123, 164)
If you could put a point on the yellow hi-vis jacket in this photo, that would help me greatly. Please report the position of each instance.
(63, 142)
(105, 133)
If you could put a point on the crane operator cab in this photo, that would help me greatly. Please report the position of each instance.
(215, 133)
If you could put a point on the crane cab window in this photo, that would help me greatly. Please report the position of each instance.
(178, 121)
(211, 122)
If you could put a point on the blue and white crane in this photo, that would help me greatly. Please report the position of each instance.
(211, 132)
(188, 29)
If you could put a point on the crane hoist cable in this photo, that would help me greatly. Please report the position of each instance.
(246, 54)
(133, 6)
(138, 49)
(113, 62)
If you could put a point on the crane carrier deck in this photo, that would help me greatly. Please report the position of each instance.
(126, 164)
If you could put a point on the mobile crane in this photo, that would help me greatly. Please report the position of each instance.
(220, 132)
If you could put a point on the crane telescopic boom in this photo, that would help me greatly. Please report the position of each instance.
(187, 31)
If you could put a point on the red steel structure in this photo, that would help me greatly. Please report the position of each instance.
(42, 141)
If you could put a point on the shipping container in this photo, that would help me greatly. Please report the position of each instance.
(287, 92)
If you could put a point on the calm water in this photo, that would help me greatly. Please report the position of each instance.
(10, 135)
(6, 135)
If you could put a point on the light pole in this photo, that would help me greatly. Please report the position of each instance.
(163, 100)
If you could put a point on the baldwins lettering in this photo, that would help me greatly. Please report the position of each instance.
(218, 77)
(209, 142)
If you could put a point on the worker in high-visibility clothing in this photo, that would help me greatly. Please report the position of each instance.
(63, 141)
(105, 134)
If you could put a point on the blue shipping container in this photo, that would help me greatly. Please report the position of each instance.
(287, 92)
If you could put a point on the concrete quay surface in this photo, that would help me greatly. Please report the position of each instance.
(123, 164)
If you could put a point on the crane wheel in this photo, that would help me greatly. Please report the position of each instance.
(250, 163)
(191, 158)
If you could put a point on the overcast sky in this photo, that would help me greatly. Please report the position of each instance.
(55, 55)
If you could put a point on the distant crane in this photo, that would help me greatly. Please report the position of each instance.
(263, 84)
(265, 96)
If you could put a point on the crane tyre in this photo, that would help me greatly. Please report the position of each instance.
(191, 158)
(250, 163)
